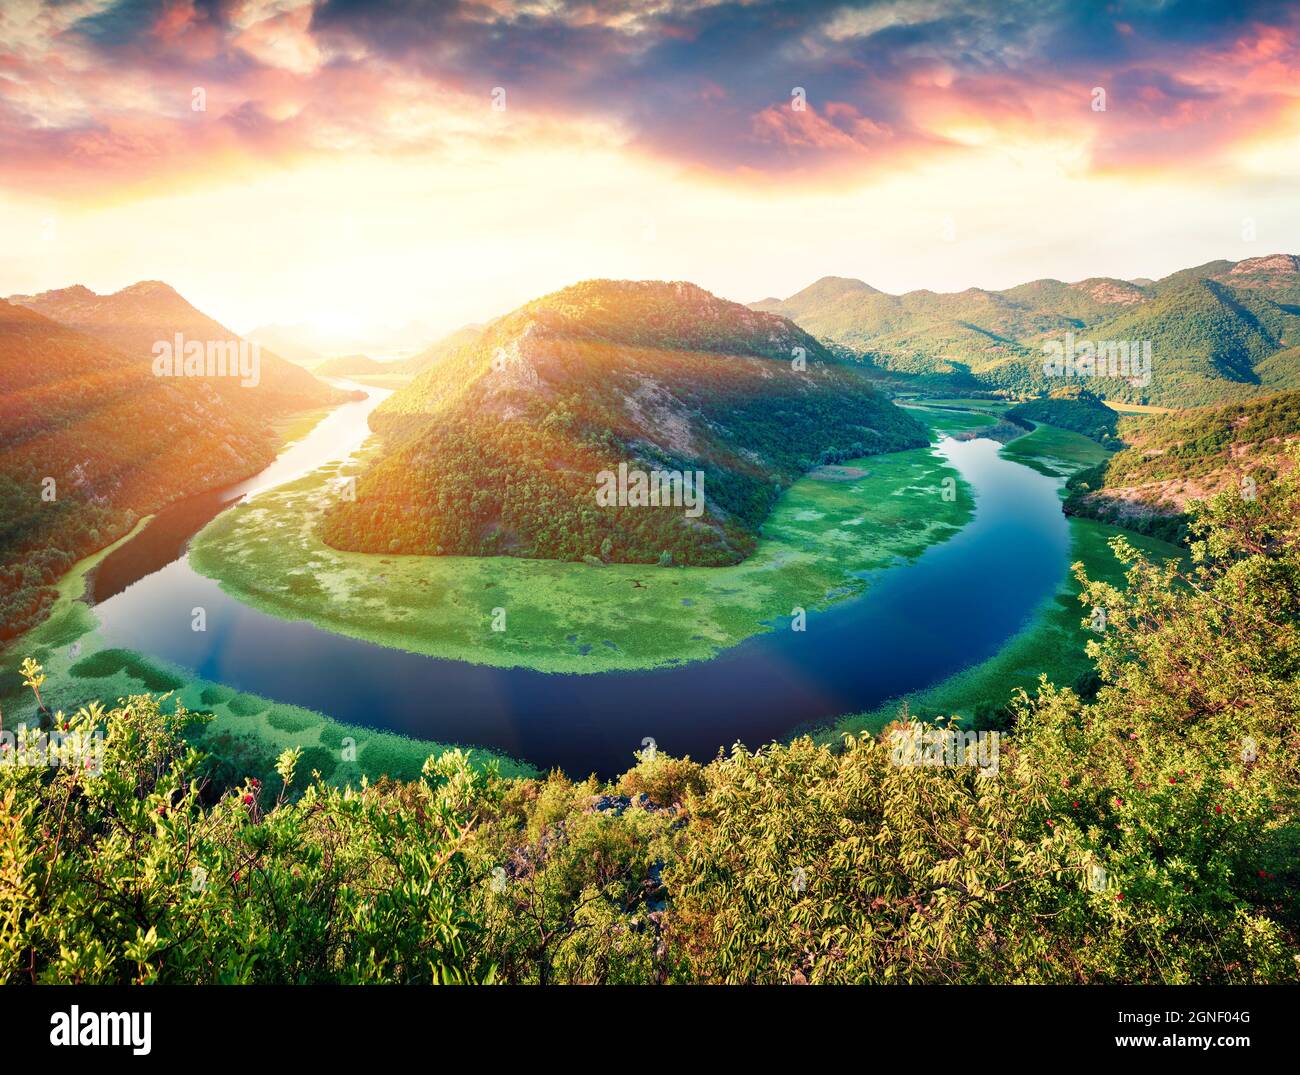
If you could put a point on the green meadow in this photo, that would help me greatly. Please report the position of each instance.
(577, 618)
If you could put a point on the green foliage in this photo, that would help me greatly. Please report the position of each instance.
(216, 695)
(125, 875)
(1173, 458)
(1146, 833)
(248, 705)
(1219, 331)
(1071, 408)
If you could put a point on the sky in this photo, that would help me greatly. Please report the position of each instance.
(353, 166)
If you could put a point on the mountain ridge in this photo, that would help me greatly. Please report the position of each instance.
(1215, 327)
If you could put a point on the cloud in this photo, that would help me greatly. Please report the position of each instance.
(99, 92)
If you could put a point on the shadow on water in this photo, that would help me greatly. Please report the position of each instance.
(918, 623)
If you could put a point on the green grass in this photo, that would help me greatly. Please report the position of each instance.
(1055, 452)
(576, 618)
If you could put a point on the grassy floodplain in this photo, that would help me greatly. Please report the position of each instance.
(575, 618)
(1052, 642)
(247, 730)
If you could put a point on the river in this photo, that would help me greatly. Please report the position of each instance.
(918, 622)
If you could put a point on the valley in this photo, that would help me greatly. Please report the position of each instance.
(588, 641)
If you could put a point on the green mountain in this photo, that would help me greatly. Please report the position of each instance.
(1220, 331)
(500, 447)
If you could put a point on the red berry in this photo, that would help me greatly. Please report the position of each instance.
(248, 799)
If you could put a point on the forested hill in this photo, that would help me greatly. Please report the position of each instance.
(497, 448)
(1172, 459)
(1072, 407)
(1219, 332)
(134, 319)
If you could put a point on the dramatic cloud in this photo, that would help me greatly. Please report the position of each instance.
(402, 159)
(97, 92)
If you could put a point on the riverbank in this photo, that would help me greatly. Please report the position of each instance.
(575, 618)
(245, 729)
(1052, 643)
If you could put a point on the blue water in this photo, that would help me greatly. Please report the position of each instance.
(919, 622)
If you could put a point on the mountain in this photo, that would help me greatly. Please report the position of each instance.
(138, 317)
(1210, 342)
(499, 448)
(90, 440)
(1171, 459)
(1219, 331)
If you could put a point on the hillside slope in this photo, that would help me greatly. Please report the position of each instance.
(1073, 408)
(134, 319)
(89, 441)
(1173, 459)
(499, 448)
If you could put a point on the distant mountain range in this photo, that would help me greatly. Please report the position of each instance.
(497, 447)
(309, 346)
(363, 365)
(1220, 331)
